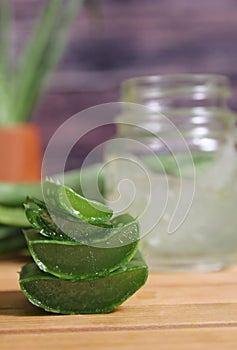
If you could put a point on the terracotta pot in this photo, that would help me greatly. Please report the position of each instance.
(20, 154)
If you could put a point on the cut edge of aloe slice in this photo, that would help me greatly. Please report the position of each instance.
(37, 215)
(68, 228)
(135, 265)
(76, 205)
(63, 227)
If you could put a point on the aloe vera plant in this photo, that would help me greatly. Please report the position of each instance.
(23, 81)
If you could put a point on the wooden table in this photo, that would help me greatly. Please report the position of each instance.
(172, 311)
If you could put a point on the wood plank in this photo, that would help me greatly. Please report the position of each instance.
(29, 319)
(10, 265)
(195, 339)
(173, 310)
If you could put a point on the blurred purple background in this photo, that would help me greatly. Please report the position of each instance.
(131, 38)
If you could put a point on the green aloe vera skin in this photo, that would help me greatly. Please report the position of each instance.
(91, 296)
(70, 259)
(66, 200)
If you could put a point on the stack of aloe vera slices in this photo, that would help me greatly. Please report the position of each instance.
(85, 260)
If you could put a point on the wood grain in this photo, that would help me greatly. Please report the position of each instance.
(172, 311)
(184, 339)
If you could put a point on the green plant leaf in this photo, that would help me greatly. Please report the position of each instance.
(12, 194)
(42, 53)
(13, 217)
(5, 60)
(11, 239)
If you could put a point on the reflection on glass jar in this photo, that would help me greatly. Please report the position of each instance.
(179, 113)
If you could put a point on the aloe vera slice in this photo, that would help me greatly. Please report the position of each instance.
(91, 296)
(68, 201)
(63, 227)
(70, 259)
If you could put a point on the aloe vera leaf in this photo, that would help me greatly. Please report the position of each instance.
(7, 231)
(91, 296)
(31, 57)
(11, 239)
(64, 198)
(62, 227)
(5, 60)
(42, 53)
(13, 217)
(180, 164)
(73, 260)
(15, 194)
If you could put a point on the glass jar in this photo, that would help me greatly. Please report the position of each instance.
(181, 117)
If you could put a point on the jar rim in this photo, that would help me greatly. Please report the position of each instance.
(179, 77)
(158, 86)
